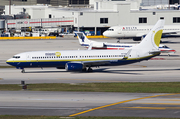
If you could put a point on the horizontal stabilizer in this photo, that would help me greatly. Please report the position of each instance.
(153, 52)
(127, 55)
(90, 46)
(140, 34)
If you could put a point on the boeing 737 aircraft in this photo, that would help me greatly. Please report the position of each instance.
(84, 41)
(79, 60)
(138, 32)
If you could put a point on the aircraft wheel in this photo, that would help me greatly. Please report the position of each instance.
(90, 69)
(84, 69)
(23, 71)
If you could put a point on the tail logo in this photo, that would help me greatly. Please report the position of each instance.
(82, 38)
(58, 54)
(157, 37)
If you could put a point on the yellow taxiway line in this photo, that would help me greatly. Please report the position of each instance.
(160, 103)
(157, 108)
(120, 103)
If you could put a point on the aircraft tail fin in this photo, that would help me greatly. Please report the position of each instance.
(127, 55)
(83, 40)
(152, 40)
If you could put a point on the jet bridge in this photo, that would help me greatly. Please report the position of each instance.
(53, 22)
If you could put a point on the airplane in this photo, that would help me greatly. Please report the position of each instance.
(84, 41)
(137, 33)
(80, 60)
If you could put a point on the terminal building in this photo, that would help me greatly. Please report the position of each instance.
(50, 2)
(97, 17)
(75, 2)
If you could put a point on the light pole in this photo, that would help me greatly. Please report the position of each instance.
(9, 7)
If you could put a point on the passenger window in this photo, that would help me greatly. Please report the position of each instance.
(16, 57)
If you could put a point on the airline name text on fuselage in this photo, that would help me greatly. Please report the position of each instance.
(129, 27)
(50, 54)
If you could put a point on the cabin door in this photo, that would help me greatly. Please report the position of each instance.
(121, 32)
(137, 53)
(28, 58)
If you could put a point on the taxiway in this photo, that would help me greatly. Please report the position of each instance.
(162, 68)
(89, 104)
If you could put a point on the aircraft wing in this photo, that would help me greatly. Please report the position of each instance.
(140, 34)
(100, 62)
(168, 33)
(104, 62)
(153, 52)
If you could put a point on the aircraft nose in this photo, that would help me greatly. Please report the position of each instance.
(105, 33)
(8, 61)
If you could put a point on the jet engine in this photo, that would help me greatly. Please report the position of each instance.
(137, 38)
(60, 67)
(74, 66)
(98, 44)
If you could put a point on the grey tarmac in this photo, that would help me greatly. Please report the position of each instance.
(89, 104)
(162, 68)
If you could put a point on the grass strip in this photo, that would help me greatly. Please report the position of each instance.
(7, 67)
(57, 117)
(133, 87)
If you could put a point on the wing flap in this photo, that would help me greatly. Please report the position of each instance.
(95, 63)
(154, 52)
(140, 34)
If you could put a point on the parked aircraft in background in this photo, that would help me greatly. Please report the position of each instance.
(79, 60)
(138, 32)
(84, 41)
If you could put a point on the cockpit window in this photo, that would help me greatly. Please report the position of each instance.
(165, 46)
(110, 30)
(16, 57)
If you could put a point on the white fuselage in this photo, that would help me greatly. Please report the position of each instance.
(138, 31)
(87, 57)
(76, 60)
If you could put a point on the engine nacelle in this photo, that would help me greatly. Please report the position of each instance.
(74, 66)
(60, 67)
(137, 38)
(98, 44)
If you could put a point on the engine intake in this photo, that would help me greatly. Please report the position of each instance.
(98, 44)
(137, 38)
(74, 67)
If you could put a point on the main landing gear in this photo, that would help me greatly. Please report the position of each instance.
(23, 71)
(88, 70)
(118, 41)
